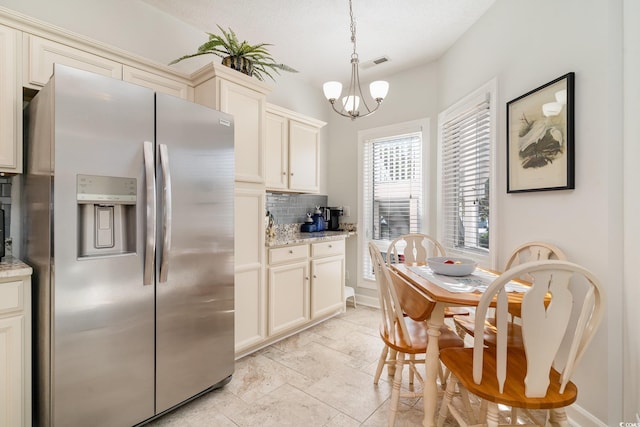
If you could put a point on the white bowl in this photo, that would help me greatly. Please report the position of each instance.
(459, 266)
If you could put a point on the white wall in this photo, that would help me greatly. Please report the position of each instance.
(412, 96)
(631, 129)
(525, 44)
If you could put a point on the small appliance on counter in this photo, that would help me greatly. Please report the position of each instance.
(318, 219)
(308, 226)
(332, 217)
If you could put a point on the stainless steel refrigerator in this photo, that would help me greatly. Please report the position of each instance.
(128, 223)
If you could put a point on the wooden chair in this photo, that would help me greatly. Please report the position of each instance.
(532, 251)
(415, 248)
(536, 376)
(401, 334)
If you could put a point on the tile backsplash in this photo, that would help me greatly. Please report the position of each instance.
(292, 208)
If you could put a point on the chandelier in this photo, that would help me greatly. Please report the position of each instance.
(351, 102)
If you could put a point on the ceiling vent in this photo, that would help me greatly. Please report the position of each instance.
(375, 62)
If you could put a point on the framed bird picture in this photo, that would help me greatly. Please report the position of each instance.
(540, 138)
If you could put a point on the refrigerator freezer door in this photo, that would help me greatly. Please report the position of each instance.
(95, 331)
(194, 307)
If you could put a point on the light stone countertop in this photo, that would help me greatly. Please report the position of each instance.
(294, 238)
(13, 267)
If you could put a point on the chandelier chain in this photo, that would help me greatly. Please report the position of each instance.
(353, 30)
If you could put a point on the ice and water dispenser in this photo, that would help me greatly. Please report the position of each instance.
(106, 215)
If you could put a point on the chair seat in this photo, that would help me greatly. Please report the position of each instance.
(459, 360)
(419, 337)
(514, 331)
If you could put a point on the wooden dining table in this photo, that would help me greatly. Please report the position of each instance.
(423, 299)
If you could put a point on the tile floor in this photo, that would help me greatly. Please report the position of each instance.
(320, 377)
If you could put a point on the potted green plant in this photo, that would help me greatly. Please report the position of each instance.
(253, 60)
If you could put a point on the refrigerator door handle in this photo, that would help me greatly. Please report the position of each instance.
(166, 213)
(150, 179)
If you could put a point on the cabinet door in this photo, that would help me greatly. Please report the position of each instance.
(288, 296)
(247, 108)
(158, 83)
(250, 307)
(11, 364)
(10, 103)
(304, 156)
(276, 152)
(42, 54)
(327, 285)
(250, 288)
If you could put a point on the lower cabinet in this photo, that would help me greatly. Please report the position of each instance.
(15, 351)
(326, 297)
(305, 284)
(288, 296)
(250, 286)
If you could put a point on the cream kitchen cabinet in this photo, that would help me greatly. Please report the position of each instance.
(10, 102)
(40, 54)
(15, 345)
(327, 277)
(244, 97)
(292, 151)
(157, 82)
(250, 288)
(288, 288)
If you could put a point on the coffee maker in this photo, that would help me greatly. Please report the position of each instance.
(332, 217)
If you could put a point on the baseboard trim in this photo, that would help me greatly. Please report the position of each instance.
(578, 416)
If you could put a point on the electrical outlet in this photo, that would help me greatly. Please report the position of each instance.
(346, 210)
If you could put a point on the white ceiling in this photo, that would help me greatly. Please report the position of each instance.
(314, 36)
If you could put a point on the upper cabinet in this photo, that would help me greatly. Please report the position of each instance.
(244, 97)
(292, 151)
(157, 82)
(10, 102)
(40, 55)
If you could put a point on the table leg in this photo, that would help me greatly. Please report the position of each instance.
(432, 361)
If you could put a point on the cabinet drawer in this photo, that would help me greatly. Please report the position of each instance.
(11, 296)
(288, 254)
(333, 247)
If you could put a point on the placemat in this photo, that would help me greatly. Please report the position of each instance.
(478, 281)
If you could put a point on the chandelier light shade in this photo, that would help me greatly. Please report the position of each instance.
(351, 102)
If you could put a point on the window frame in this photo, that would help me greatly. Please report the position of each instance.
(488, 89)
(420, 125)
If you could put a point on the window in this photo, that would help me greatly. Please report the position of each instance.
(392, 187)
(466, 132)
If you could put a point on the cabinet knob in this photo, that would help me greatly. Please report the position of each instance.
(291, 173)
(315, 277)
(306, 278)
(330, 246)
(290, 251)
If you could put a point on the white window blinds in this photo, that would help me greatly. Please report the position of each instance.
(392, 190)
(465, 168)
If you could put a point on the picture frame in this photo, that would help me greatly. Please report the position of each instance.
(540, 138)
